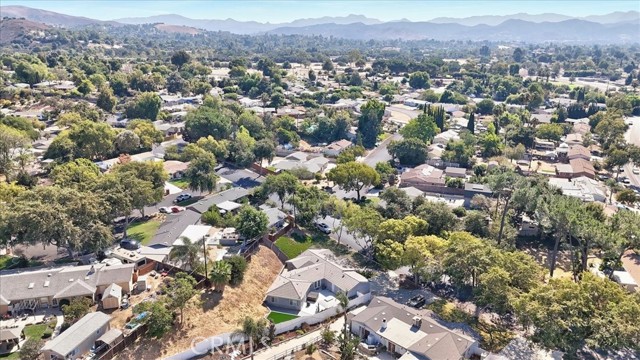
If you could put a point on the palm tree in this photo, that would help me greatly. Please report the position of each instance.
(188, 253)
(343, 301)
(220, 275)
(251, 329)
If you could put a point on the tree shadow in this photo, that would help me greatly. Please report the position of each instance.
(209, 299)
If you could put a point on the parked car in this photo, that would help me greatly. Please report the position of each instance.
(322, 227)
(182, 197)
(636, 171)
(124, 303)
(129, 244)
(177, 209)
(417, 301)
(165, 210)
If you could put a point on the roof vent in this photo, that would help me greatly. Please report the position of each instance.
(383, 326)
(417, 321)
(86, 278)
(70, 280)
(46, 283)
(31, 285)
(49, 275)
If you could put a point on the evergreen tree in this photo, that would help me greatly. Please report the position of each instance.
(471, 125)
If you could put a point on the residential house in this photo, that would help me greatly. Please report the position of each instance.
(422, 175)
(175, 169)
(413, 192)
(51, 287)
(337, 147)
(446, 136)
(581, 128)
(78, 339)
(455, 172)
(528, 227)
(582, 167)
(409, 334)
(312, 162)
(573, 139)
(542, 118)
(471, 190)
(578, 152)
(544, 145)
(276, 218)
(564, 171)
(169, 129)
(582, 187)
(309, 282)
(234, 194)
(415, 103)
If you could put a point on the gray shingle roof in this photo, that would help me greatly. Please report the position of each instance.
(75, 335)
(311, 266)
(430, 340)
(61, 281)
(75, 288)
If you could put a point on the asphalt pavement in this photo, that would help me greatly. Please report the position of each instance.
(380, 153)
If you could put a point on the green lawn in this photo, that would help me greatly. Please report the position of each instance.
(7, 261)
(181, 183)
(143, 231)
(35, 331)
(30, 331)
(12, 356)
(278, 317)
(293, 248)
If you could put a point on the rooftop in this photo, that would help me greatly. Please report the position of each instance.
(75, 335)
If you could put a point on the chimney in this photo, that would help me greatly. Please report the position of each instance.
(417, 321)
(383, 327)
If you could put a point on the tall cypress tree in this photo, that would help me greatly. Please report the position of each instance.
(471, 125)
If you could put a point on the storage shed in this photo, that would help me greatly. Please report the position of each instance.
(112, 297)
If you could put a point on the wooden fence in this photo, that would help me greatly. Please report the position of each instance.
(126, 341)
(271, 245)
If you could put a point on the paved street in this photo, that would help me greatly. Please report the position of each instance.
(380, 153)
(633, 137)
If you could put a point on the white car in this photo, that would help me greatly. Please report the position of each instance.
(182, 197)
(636, 170)
(323, 227)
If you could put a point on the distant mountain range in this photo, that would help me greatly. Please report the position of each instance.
(617, 27)
(494, 20)
(245, 27)
(510, 30)
(47, 17)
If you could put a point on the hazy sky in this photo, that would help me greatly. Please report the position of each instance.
(283, 11)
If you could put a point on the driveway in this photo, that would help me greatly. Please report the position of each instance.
(386, 284)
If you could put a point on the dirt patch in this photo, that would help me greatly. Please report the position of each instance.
(210, 313)
(119, 317)
(542, 254)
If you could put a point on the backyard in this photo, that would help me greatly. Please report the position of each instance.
(212, 312)
(278, 317)
(143, 231)
(36, 331)
(293, 247)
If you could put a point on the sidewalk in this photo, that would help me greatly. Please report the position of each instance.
(269, 353)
